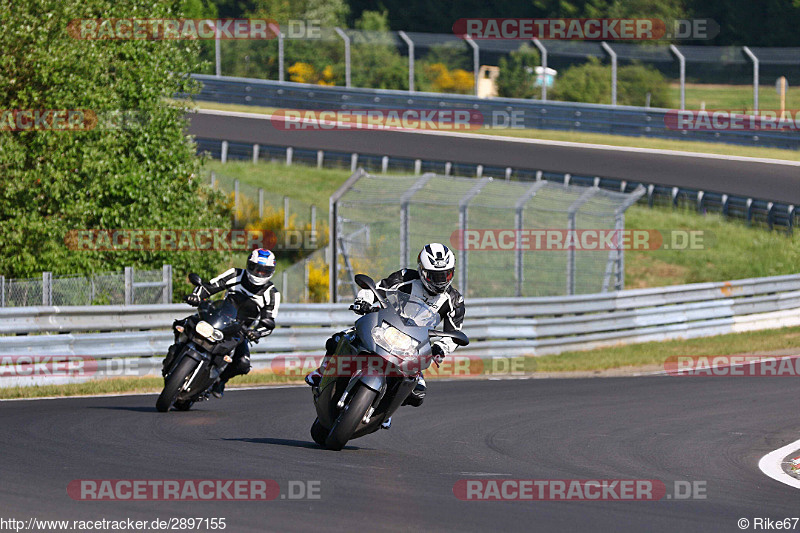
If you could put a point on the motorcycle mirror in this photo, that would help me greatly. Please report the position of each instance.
(195, 280)
(366, 282)
(458, 337)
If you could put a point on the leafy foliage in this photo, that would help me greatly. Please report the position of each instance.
(591, 82)
(140, 176)
(517, 74)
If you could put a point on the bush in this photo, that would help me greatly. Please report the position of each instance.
(591, 83)
(518, 75)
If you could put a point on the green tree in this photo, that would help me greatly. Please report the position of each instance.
(139, 176)
(518, 75)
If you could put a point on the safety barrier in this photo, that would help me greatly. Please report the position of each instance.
(139, 335)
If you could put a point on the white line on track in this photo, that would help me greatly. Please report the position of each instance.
(568, 144)
(772, 464)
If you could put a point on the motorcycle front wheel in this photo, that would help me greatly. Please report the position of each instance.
(348, 420)
(174, 384)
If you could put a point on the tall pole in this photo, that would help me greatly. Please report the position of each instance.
(476, 61)
(754, 59)
(682, 66)
(410, 45)
(613, 55)
(346, 40)
(543, 52)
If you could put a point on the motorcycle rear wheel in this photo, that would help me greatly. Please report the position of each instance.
(349, 418)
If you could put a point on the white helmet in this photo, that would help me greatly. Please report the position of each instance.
(436, 265)
(260, 266)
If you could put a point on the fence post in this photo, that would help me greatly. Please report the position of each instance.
(410, 45)
(384, 164)
(255, 153)
(476, 62)
(47, 288)
(128, 285)
(320, 158)
(543, 52)
(284, 284)
(289, 154)
(519, 213)
(2, 291)
(285, 212)
(166, 277)
(314, 218)
(571, 227)
(463, 204)
(353, 162)
(613, 55)
(754, 59)
(333, 231)
(235, 202)
(260, 203)
(346, 40)
(217, 53)
(682, 67)
(405, 200)
(305, 279)
(280, 57)
(223, 156)
(213, 179)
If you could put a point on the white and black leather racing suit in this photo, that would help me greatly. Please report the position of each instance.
(450, 305)
(267, 300)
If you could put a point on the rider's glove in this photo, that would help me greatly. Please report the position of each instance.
(438, 352)
(253, 335)
(193, 300)
(361, 307)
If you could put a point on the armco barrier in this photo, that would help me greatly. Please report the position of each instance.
(497, 327)
(535, 114)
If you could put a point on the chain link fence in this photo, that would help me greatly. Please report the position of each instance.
(381, 222)
(129, 287)
(431, 62)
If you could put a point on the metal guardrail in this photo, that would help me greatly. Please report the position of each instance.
(534, 114)
(497, 327)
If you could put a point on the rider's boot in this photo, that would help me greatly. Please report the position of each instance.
(417, 395)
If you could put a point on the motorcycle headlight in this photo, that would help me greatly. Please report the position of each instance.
(393, 340)
(208, 331)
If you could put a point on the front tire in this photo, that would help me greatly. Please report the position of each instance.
(174, 384)
(319, 432)
(349, 418)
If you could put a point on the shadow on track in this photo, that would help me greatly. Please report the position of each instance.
(289, 442)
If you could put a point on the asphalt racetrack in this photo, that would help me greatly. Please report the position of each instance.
(711, 430)
(778, 182)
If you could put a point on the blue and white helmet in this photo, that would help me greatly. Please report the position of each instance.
(260, 266)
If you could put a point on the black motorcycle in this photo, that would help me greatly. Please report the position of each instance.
(374, 368)
(206, 341)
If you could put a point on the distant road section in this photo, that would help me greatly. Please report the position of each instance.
(767, 179)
